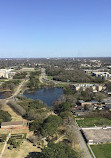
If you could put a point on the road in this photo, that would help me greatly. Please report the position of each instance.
(18, 89)
(77, 134)
(43, 75)
(8, 137)
(82, 143)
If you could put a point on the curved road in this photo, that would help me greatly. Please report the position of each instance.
(18, 89)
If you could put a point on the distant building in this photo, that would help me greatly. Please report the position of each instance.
(5, 73)
(83, 103)
(16, 124)
(85, 65)
(105, 75)
(91, 70)
(109, 67)
(95, 87)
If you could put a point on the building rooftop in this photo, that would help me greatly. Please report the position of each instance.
(12, 123)
(92, 101)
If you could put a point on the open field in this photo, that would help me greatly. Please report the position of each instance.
(15, 117)
(91, 122)
(1, 146)
(24, 149)
(102, 151)
(97, 135)
(22, 152)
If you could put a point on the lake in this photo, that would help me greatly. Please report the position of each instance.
(47, 95)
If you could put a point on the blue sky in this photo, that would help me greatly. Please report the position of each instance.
(55, 28)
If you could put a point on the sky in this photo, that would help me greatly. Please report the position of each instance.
(55, 28)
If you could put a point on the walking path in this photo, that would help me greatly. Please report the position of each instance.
(8, 137)
(82, 143)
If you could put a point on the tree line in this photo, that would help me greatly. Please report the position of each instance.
(76, 76)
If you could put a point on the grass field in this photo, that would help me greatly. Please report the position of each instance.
(22, 152)
(49, 77)
(102, 151)
(1, 146)
(91, 122)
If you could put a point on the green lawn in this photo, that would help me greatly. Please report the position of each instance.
(91, 122)
(49, 77)
(3, 80)
(102, 151)
(1, 146)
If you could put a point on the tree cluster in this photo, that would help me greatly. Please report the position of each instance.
(14, 143)
(76, 76)
(56, 151)
(34, 80)
(10, 85)
(48, 126)
(20, 75)
(4, 116)
(34, 109)
(108, 86)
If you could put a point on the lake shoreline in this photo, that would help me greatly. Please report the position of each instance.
(48, 95)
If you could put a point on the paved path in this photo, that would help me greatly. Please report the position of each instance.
(59, 139)
(18, 89)
(8, 137)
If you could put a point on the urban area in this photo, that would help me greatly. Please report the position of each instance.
(55, 106)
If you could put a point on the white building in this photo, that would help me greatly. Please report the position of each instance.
(84, 86)
(5, 73)
(102, 74)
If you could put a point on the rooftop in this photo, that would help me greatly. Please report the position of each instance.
(12, 123)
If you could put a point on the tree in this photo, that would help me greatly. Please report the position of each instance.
(14, 143)
(67, 117)
(4, 116)
(58, 151)
(65, 106)
(108, 86)
(86, 107)
(50, 125)
(35, 125)
(99, 96)
(10, 147)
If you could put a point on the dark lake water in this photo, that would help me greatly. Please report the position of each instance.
(47, 95)
(1, 95)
